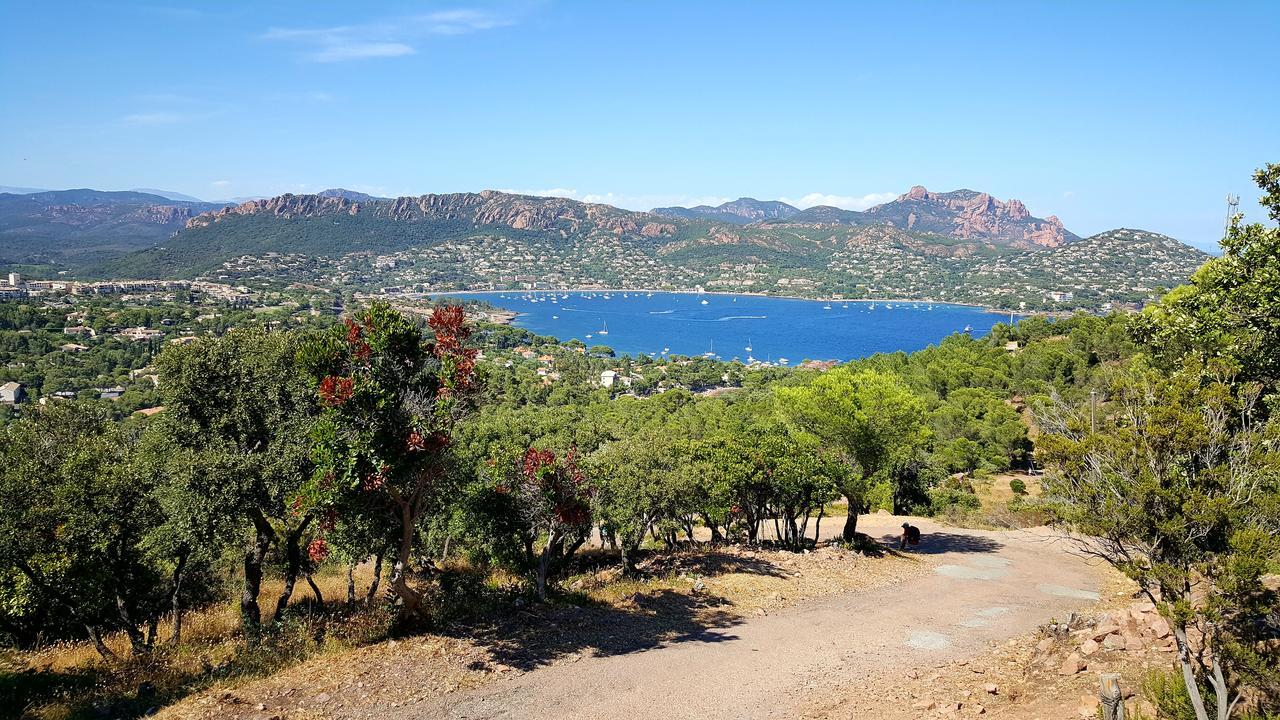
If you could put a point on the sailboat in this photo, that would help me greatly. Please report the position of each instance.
(712, 352)
(748, 348)
(604, 330)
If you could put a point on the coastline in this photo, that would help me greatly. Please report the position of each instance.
(984, 308)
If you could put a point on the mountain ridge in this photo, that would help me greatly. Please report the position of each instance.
(962, 214)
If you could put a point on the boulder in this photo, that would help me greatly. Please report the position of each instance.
(1072, 664)
(1160, 628)
(1133, 643)
(1114, 641)
(1103, 630)
(1089, 647)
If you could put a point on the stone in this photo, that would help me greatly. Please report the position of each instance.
(1072, 664)
(1160, 628)
(1044, 645)
(979, 710)
(1133, 643)
(1089, 647)
(1113, 641)
(1103, 630)
(923, 705)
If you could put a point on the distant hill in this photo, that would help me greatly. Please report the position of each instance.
(169, 195)
(829, 215)
(739, 212)
(499, 240)
(351, 195)
(960, 214)
(20, 190)
(52, 226)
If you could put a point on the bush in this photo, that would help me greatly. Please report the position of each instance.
(942, 498)
(880, 497)
(1018, 486)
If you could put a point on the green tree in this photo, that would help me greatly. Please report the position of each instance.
(867, 416)
(390, 401)
(241, 407)
(1231, 307)
(1180, 487)
(75, 514)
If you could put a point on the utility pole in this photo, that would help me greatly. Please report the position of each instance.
(1093, 417)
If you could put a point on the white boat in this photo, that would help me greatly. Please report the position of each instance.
(783, 361)
(555, 317)
(827, 306)
(712, 352)
(604, 330)
(748, 347)
(704, 302)
(588, 336)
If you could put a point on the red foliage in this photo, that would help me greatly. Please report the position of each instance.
(354, 332)
(448, 322)
(535, 460)
(433, 442)
(375, 480)
(318, 550)
(334, 391)
(329, 521)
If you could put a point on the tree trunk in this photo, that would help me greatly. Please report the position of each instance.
(377, 576)
(850, 524)
(315, 590)
(250, 614)
(1188, 673)
(175, 597)
(351, 584)
(410, 600)
(293, 565)
(99, 644)
(137, 640)
(629, 551)
(817, 526)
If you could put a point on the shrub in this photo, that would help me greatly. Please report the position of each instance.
(1018, 486)
(942, 498)
(880, 497)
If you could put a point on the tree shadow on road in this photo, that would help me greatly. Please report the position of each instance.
(937, 543)
(544, 635)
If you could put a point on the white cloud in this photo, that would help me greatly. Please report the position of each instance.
(221, 183)
(846, 202)
(1069, 193)
(388, 38)
(153, 118)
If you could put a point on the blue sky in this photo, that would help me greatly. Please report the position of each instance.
(1106, 114)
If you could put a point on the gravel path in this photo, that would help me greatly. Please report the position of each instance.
(987, 586)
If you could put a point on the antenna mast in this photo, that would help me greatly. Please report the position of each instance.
(1233, 207)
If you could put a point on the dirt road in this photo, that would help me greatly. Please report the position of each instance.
(987, 586)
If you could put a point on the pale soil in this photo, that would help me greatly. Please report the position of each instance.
(824, 635)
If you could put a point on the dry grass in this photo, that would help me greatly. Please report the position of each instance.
(70, 680)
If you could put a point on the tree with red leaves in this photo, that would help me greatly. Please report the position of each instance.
(552, 499)
(390, 399)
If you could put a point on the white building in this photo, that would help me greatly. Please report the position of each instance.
(607, 378)
(12, 393)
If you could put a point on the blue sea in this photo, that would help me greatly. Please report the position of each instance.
(742, 327)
